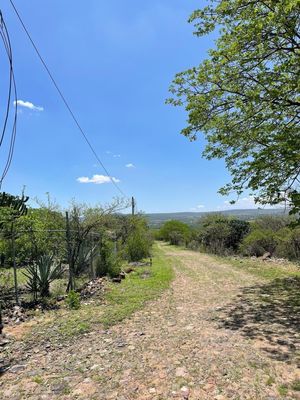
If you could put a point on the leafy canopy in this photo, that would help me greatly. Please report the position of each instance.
(174, 231)
(245, 96)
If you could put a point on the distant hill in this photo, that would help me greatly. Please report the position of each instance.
(155, 220)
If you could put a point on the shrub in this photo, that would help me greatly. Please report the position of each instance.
(220, 235)
(238, 230)
(289, 243)
(73, 300)
(272, 222)
(175, 232)
(108, 262)
(258, 242)
(138, 246)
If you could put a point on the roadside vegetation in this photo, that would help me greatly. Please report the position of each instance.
(49, 256)
(268, 236)
(118, 302)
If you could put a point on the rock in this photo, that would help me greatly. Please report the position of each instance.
(59, 388)
(3, 341)
(17, 368)
(180, 372)
(220, 397)
(33, 373)
(152, 390)
(128, 270)
(185, 392)
(266, 256)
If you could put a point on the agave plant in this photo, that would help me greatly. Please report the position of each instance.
(41, 274)
(32, 280)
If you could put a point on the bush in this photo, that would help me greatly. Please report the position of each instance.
(258, 242)
(221, 235)
(73, 300)
(108, 262)
(138, 246)
(272, 222)
(289, 243)
(175, 232)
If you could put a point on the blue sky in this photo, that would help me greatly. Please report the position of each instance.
(114, 62)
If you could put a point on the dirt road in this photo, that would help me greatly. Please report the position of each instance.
(215, 334)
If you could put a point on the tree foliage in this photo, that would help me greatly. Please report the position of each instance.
(219, 234)
(175, 232)
(245, 96)
(138, 241)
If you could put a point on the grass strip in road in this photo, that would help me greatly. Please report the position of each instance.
(268, 270)
(144, 284)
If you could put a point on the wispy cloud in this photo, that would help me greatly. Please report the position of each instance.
(247, 202)
(28, 104)
(97, 179)
(117, 155)
(130, 165)
(198, 207)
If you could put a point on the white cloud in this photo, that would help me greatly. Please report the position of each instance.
(243, 203)
(97, 179)
(117, 155)
(197, 208)
(130, 165)
(28, 104)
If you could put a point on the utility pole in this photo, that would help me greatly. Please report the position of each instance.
(68, 239)
(132, 206)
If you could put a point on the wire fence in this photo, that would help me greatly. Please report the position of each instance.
(71, 248)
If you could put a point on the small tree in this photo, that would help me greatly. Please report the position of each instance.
(175, 232)
(80, 222)
(219, 234)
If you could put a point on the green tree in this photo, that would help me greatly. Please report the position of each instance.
(220, 234)
(245, 96)
(175, 232)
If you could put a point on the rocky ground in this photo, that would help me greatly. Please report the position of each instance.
(217, 333)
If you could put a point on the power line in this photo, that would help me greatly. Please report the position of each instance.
(12, 90)
(65, 101)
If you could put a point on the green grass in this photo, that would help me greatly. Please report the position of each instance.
(135, 290)
(7, 277)
(270, 381)
(283, 390)
(296, 385)
(263, 269)
(120, 302)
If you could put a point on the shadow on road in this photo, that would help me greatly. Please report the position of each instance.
(270, 313)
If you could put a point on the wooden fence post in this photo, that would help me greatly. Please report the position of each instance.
(13, 238)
